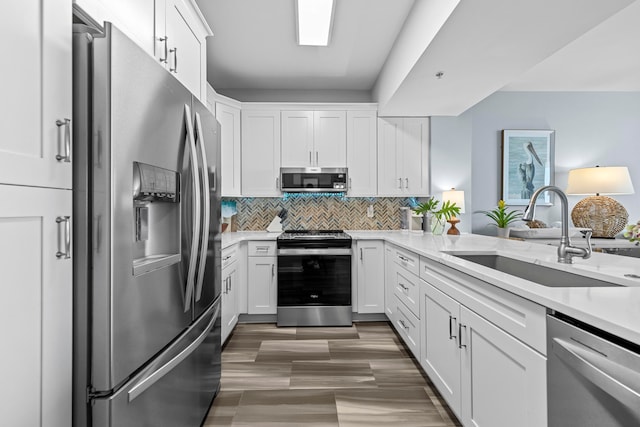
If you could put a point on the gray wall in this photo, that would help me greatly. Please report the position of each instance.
(590, 129)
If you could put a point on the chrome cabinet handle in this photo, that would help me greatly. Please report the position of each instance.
(175, 60)
(310, 159)
(317, 163)
(67, 238)
(273, 270)
(361, 254)
(460, 326)
(400, 183)
(262, 248)
(165, 40)
(406, 183)
(403, 324)
(350, 184)
(277, 183)
(406, 288)
(451, 320)
(66, 123)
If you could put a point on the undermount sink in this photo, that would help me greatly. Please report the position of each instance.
(533, 272)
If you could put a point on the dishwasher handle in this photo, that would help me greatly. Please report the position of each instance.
(620, 382)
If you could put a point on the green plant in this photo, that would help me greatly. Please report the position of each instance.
(446, 211)
(426, 207)
(502, 216)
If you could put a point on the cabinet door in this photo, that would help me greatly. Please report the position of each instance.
(186, 44)
(229, 300)
(35, 307)
(389, 175)
(36, 94)
(503, 380)
(414, 161)
(262, 289)
(389, 282)
(362, 153)
(370, 256)
(440, 355)
(330, 139)
(229, 118)
(260, 153)
(297, 139)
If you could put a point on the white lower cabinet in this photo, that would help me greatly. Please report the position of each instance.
(230, 290)
(262, 280)
(503, 380)
(370, 276)
(36, 305)
(488, 377)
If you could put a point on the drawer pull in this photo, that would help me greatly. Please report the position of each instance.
(403, 324)
(451, 321)
(460, 326)
(403, 286)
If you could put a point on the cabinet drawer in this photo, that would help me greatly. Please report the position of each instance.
(229, 255)
(407, 260)
(408, 326)
(407, 289)
(262, 248)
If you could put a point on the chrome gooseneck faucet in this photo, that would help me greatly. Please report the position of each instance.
(565, 251)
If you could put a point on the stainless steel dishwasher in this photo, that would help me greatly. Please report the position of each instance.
(593, 377)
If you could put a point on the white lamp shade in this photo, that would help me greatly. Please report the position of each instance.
(600, 180)
(454, 196)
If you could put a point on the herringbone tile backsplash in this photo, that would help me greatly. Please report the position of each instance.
(320, 212)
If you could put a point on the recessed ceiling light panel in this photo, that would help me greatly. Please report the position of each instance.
(314, 20)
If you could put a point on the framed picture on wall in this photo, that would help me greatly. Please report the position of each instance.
(527, 164)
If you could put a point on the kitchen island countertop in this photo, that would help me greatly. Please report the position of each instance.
(613, 309)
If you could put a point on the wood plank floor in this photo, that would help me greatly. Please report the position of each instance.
(347, 376)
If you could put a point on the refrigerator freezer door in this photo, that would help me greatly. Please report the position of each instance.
(176, 389)
(138, 116)
(207, 131)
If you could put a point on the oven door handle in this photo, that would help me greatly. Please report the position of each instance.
(324, 251)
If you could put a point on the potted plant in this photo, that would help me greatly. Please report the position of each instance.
(502, 217)
(435, 218)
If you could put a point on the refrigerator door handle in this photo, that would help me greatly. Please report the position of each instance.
(207, 207)
(149, 380)
(194, 255)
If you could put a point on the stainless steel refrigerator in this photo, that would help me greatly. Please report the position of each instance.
(146, 240)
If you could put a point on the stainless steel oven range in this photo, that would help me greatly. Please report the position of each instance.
(314, 278)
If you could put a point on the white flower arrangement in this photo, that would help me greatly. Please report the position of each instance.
(632, 233)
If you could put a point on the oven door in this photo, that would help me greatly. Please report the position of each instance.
(314, 277)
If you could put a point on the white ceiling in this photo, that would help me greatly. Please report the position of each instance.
(482, 47)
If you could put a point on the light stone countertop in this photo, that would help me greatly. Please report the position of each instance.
(613, 309)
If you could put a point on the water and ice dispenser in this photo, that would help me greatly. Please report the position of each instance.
(156, 197)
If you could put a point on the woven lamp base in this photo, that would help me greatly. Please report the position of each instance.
(605, 216)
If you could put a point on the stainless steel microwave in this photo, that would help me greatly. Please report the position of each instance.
(313, 180)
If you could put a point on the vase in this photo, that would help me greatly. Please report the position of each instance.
(427, 219)
(437, 225)
(503, 232)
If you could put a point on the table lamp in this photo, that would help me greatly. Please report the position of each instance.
(605, 216)
(457, 197)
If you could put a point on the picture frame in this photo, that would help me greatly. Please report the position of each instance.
(527, 164)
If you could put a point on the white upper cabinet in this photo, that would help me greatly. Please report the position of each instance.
(134, 18)
(36, 89)
(181, 43)
(229, 118)
(403, 148)
(173, 31)
(314, 139)
(260, 153)
(362, 153)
